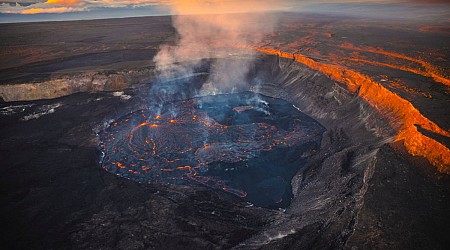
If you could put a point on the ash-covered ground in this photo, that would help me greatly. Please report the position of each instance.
(358, 189)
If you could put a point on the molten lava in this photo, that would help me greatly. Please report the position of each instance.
(237, 143)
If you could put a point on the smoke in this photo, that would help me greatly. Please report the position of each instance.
(216, 30)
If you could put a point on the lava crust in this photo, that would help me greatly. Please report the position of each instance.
(244, 144)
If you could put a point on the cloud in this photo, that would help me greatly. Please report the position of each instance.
(64, 2)
(48, 10)
(185, 6)
(50, 6)
(62, 6)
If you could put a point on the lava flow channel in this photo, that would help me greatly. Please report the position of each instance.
(219, 142)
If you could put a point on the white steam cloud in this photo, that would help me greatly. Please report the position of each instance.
(216, 29)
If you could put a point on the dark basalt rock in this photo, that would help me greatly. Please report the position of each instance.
(57, 197)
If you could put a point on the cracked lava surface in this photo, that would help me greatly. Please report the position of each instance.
(244, 144)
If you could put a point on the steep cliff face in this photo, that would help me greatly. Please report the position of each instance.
(401, 114)
(330, 192)
(70, 84)
(330, 189)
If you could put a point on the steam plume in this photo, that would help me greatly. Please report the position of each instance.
(215, 29)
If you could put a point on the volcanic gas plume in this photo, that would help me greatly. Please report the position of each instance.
(214, 30)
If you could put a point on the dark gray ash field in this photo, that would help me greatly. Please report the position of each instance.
(283, 130)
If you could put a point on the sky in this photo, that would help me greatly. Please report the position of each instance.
(60, 10)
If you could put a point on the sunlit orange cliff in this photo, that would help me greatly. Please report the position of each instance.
(396, 109)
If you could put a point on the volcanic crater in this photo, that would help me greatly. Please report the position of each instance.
(244, 144)
(303, 137)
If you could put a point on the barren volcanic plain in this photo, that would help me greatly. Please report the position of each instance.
(339, 138)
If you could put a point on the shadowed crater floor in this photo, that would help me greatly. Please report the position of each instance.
(245, 144)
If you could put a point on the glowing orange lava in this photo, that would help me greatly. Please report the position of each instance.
(201, 146)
